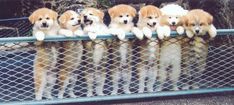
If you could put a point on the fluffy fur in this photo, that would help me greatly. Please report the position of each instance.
(121, 23)
(170, 54)
(149, 48)
(45, 24)
(197, 24)
(96, 49)
(70, 23)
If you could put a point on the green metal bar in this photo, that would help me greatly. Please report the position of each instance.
(63, 38)
(122, 97)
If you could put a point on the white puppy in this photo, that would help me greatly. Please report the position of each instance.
(45, 24)
(70, 23)
(170, 53)
(96, 49)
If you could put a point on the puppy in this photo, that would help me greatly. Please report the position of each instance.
(149, 48)
(70, 23)
(45, 24)
(197, 24)
(170, 53)
(121, 23)
(96, 50)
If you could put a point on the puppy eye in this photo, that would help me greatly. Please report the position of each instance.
(40, 19)
(127, 15)
(72, 18)
(193, 24)
(201, 24)
(90, 14)
(176, 17)
(47, 18)
(149, 17)
(121, 16)
(169, 17)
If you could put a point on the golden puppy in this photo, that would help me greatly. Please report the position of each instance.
(70, 23)
(149, 48)
(45, 24)
(96, 50)
(197, 24)
(170, 51)
(121, 23)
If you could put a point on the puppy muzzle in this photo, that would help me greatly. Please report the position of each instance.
(44, 25)
(125, 22)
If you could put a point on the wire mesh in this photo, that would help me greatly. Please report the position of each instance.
(109, 67)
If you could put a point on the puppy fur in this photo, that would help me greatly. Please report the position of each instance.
(70, 23)
(170, 53)
(96, 50)
(45, 24)
(197, 24)
(121, 23)
(149, 48)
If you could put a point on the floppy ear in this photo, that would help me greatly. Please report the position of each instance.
(132, 11)
(101, 15)
(163, 20)
(31, 18)
(185, 21)
(209, 18)
(142, 12)
(111, 12)
(54, 14)
(63, 18)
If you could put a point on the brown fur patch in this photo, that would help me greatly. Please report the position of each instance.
(149, 10)
(42, 12)
(122, 8)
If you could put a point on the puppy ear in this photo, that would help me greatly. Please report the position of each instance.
(31, 18)
(185, 20)
(163, 20)
(54, 14)
(209, 18)
(101, 14)
(132, 11)
(142, 12)
(111, 12)
(63, 18)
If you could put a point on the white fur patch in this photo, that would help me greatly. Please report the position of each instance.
(189, 33)
(67, 33)
(79, 33)
(147, 32)
(40, 36)
(212, 31)
(138, 33)
(180, 30)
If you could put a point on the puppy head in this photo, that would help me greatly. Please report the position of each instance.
(43, 18)
(172, 15)
(198, 21)
(92, 15)
(122, 14)
(70, 20)
(149, 15)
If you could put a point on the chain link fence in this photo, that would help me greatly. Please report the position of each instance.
(109, 67)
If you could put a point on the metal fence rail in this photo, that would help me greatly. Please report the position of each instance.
(204, 67)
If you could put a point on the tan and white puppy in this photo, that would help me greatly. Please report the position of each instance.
(121, 23)
(70, 23)
(45, 24)
(198, 24)
(96, 50)
(149, 48)
(170, 53)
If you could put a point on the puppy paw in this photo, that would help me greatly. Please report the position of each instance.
(40, 36)
(189, 33)
(113, 31)
(180, 30)
(167, 31)
(138, 33)
(147, 32)
(160, 32)
(212, 31)
(67, 33)
(92, 35)
(78, 33)
(121, 35)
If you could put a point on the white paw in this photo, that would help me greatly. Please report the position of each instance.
(40, 36)
(92, 35)
(160, 32)
(212, 31)
(113, 31)
(147, 32)
(167, 31)
(180, 30)
(138, 33)
(67, 33)
(189, 33)
(121, 35)
(79, 33)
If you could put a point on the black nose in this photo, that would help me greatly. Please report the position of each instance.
(85, 17)
(79, 21)
(197, 31)
(154, 23)
(44, 24)
(125, 21)
(173, 23)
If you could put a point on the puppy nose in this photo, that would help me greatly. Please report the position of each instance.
(125, 21)
(173, 23)
(197, 31)
(79, 21)
(154, 23)
(44, 24)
